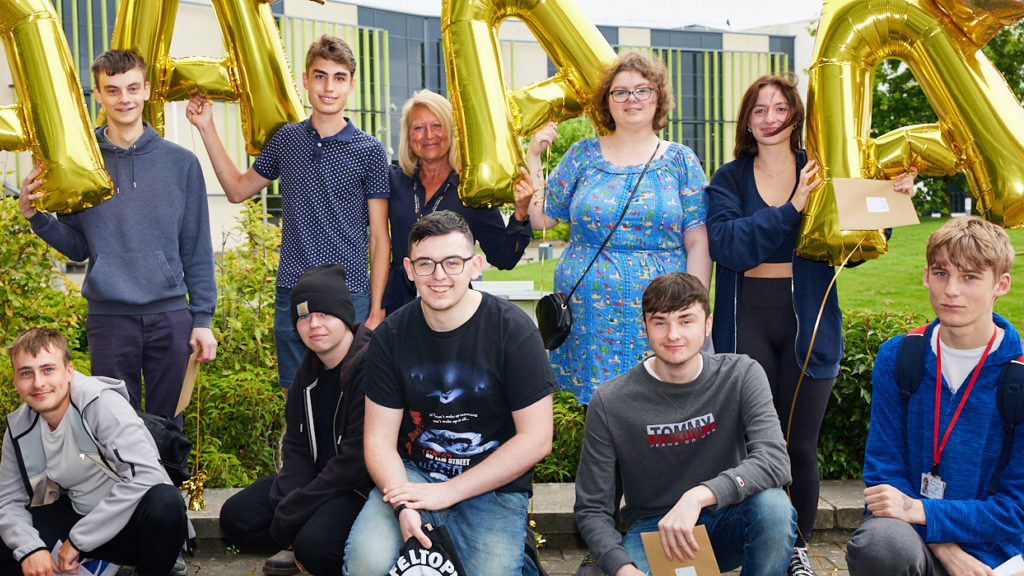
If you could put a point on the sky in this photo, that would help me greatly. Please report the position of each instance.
(721, 14)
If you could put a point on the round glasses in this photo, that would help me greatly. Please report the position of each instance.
(451, 265)
(642, 93)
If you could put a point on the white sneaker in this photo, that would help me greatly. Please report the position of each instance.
(799, 564)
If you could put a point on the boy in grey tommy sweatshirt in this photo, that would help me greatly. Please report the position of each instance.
(689, 439)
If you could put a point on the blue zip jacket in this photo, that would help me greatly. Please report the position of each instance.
(740, 237)
(988, 527)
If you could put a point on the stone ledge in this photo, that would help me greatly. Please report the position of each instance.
(839, 512)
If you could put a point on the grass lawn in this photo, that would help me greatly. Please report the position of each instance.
(892, 282)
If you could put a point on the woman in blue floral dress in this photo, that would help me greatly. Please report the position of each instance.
(662, 230)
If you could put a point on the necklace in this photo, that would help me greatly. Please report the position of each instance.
(771, 176)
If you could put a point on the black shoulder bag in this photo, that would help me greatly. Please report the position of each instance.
(554, 317)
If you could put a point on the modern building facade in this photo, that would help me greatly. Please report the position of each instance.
(400, 53)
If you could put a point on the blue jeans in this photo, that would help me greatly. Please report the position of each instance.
(757, 533)
(289, 346)
(488, 530)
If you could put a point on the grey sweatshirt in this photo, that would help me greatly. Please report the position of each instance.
(719, 430)
(149, 244)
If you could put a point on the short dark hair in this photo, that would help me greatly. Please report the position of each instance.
(746, 145)
(652, 69)
(439, 223)
(35, 339)
(114, 62)
(675, 291)
(334, 49)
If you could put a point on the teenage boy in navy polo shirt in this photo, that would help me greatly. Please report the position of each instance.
(334, 183)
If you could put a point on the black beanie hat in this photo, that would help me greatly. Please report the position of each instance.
(323, 289)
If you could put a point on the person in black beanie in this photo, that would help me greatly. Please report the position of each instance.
(308, 507)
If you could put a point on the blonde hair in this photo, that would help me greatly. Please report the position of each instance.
(34, 340)
(970, 243)
(439, 106)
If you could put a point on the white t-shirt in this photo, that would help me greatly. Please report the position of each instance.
(958, 365)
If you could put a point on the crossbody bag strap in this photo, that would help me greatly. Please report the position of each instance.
(617, 222)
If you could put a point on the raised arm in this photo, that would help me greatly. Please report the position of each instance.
(238, 186)
(538, 144)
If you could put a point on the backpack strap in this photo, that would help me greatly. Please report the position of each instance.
(909, 369)
(1010, 400)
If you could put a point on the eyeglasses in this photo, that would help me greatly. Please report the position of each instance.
(642, 93)
(451, 265)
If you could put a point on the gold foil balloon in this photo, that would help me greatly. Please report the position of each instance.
(255, 71)
(50, 119)
(489, 119)
(981, 124)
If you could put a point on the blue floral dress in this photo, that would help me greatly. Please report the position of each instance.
(607, 337)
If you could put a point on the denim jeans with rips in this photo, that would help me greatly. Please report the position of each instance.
(488, 530)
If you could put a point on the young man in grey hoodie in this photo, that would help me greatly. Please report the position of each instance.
(79, 466)
(150, 281)
(689, 439)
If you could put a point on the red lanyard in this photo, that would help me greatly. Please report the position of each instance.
(936, 447)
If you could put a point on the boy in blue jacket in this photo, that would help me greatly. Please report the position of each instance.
(930, 459)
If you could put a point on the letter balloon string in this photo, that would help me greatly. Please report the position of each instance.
(807, 359)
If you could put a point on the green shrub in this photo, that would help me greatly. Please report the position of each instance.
(845, 429)
(33, 292)
(560, 465)
(240, 407)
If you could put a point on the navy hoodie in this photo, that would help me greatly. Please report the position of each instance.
(149, 244)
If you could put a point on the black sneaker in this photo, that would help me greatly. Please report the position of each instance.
(799, 564)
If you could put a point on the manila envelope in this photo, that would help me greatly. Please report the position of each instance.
(704, 564)
(186, 387)
(872, 205)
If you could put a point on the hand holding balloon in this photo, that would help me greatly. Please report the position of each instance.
(808, 182)
(199, 112)
(541, 141)
(523, 194)
(29, 184)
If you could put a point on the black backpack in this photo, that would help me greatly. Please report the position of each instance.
(1009, 396)
(171, 443)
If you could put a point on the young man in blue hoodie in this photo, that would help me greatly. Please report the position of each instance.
(932, 507)
(149, 283)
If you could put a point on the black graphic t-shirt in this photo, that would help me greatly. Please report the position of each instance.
(459, 388)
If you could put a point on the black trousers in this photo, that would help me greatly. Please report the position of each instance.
(319, 546)
(151, 541)
(766, 331)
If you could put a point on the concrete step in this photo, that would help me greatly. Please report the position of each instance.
(839, 513)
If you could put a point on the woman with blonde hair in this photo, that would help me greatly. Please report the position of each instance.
(427, 180)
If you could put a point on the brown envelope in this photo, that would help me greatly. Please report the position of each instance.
(186, 387)
(872, 205)
(704, 564)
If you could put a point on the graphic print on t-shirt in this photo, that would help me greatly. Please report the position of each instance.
(661, 435)
(451, 423)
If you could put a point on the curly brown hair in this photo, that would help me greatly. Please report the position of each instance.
(652, 70)
(746, 145)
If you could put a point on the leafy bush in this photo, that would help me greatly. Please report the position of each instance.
(845, 429)
(560, 465)
(237, 411)
(33, 292)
